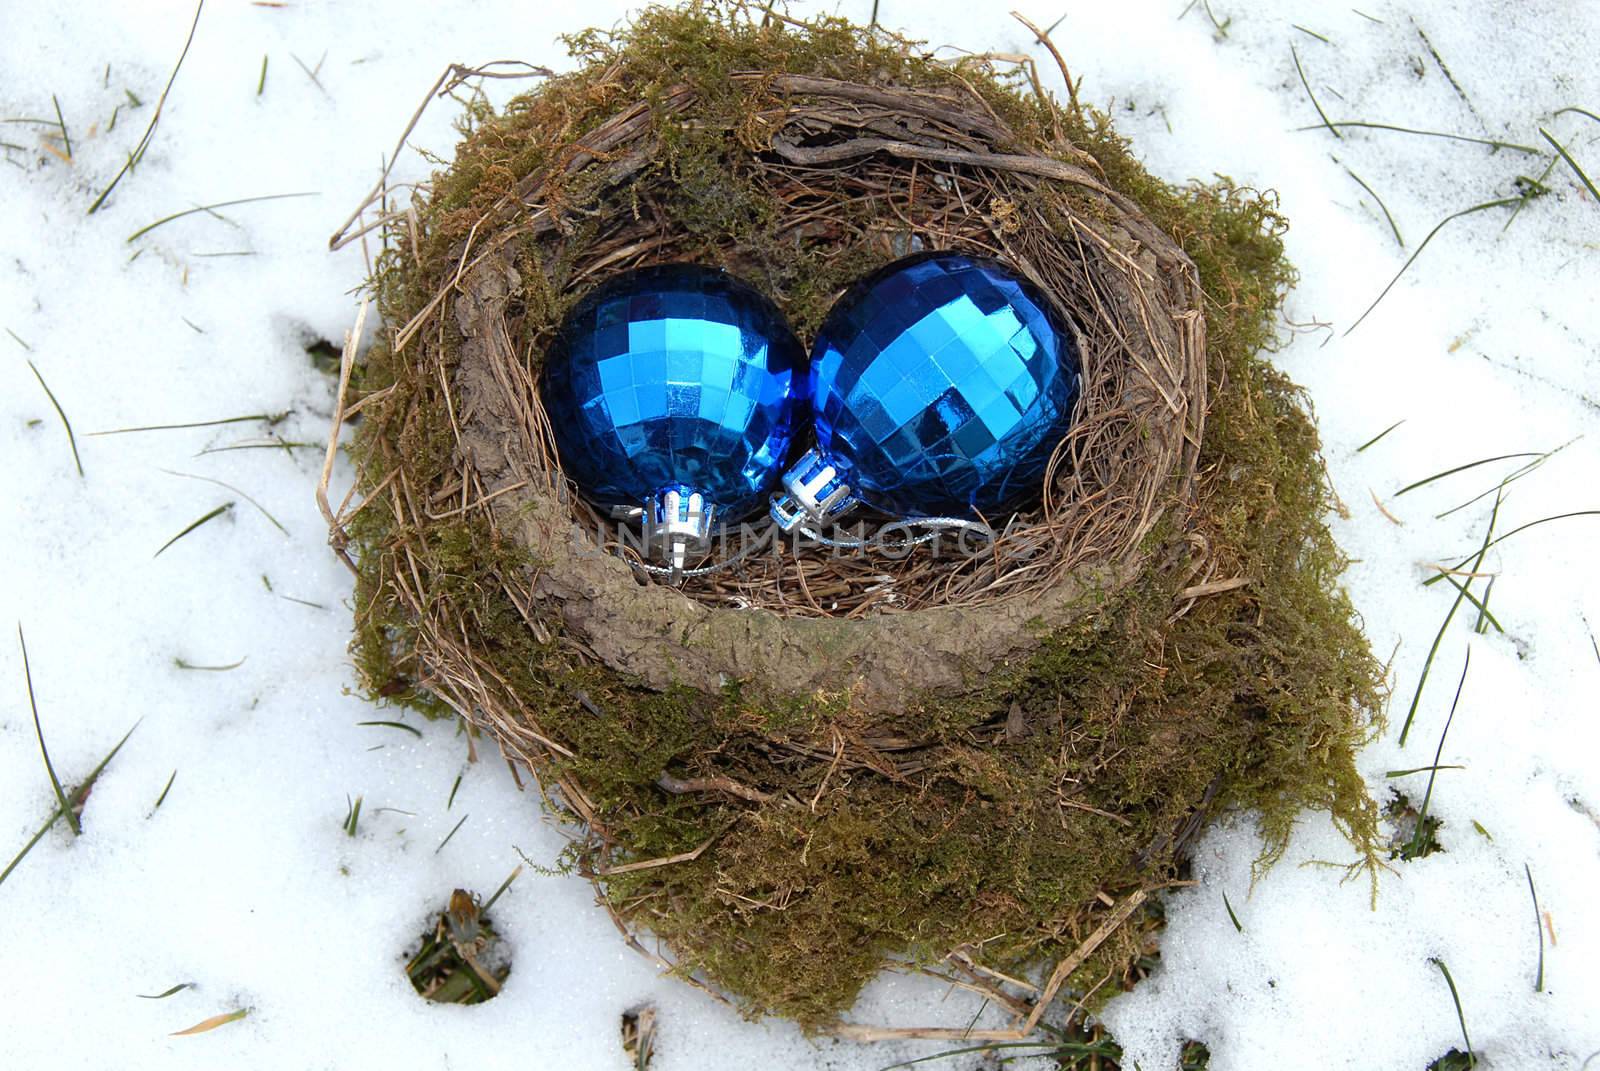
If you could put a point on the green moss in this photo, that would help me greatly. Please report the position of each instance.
(1006, 832)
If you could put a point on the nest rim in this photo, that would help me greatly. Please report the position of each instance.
(905, 627)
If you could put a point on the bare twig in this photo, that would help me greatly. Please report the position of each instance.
(1043, 37)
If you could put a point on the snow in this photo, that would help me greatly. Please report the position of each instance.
(243, 882)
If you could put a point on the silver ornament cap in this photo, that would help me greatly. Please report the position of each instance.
(677, 521)
(816, 493)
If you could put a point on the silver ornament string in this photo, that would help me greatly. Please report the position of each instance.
(937, 525)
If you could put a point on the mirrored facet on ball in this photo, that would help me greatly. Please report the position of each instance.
(942, 385)
(675, 379)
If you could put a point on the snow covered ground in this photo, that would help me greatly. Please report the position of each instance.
(243, 882)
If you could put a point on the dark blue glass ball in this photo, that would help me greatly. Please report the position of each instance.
(942, 384)
(676, 377)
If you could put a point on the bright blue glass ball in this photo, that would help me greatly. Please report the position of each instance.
(675, 377)
(942, 384)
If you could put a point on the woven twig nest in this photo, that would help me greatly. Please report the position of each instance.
(930, 167)
(794, 767)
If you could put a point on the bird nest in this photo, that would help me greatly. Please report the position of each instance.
(794, 764)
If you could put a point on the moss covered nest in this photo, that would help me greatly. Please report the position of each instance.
(787, 774)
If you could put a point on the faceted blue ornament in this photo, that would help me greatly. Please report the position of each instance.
(675, 390)
(941, 386)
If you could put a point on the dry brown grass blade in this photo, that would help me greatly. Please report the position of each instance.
(1214, 587)
(207, 1025)
(1376, 501)
(352, 340)
(1058, 977)
(651, 864)
(453, 76)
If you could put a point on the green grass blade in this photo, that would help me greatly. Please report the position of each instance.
(225, 507)
(1222, 26)
(1412, 259)
(1546, 520)
(1393, 226)
(179, 988)
(1427, 666)
(1301, 71)
(1521, 528)
(1429, 133)
(352, 817)
(163, 797)
(1045, 1048)
(1358, 124)
(280, 444)
(1472, 1059)
(1538, 928)
(412, 729)
(142, 231)
(1427, 796)
(1565, 155)
(28, 847)
(1462, 468)
(66, 138)
(1578, 111)
(1380, 435)
(1536, 188)
(49, 767)
(262, 509)
(270, 419)
(1485, 618)
(1509, 480)
(181, 664)
(1482, 607)
(451, 834)
(74, 800)
(149, 131)
(504, 885)
(72, 440)
(1238, 927)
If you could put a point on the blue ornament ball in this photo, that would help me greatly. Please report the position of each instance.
(678, 379)
(942, 384)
